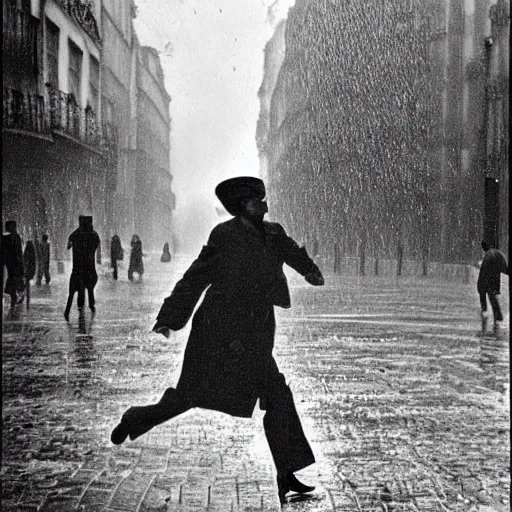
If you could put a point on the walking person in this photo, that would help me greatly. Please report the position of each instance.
(136, 263)
(166, 254)
(12, 260)
(29, 263)
(228, 363)
(85, 242)
(116, 253)
(43, 260)
(493, 265)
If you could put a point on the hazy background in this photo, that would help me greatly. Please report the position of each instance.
(212, 56)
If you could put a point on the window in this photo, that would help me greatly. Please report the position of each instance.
(52, 53)
(75, 70)
(94, 83)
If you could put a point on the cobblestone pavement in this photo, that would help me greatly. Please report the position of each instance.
(405, 407)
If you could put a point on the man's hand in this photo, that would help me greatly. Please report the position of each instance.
(162, 329)
(314, 278)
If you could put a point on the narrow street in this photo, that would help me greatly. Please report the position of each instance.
(405, 407)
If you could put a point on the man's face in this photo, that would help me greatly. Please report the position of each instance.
(256, 208)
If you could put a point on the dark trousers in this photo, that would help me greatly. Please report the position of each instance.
(493, 299)
(79, 283)
(43, 269)
(288, 444)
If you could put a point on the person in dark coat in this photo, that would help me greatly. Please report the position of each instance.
(12, 260)
(228, 363)
(85, 242)
(136, 264)
(488, 284)
(43, 260)
(166, 254)
(29, 263)
(116, 253)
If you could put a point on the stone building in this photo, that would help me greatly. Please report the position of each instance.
(377, 124)
(155, 200)
(69, 146)
(56, 162)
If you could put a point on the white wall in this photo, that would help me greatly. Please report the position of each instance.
(69, 29)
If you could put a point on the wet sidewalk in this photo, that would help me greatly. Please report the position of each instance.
(405, 407)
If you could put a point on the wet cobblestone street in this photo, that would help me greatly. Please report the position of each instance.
(405, 407)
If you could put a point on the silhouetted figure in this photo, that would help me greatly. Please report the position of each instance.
(488, 284)
(136, 264)
(12, 260)
(29, 263)
(166, 255)
(116, 253)
(228, 363)
(84, 241)
(43, 260)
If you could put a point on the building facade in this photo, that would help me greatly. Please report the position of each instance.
(378, 124)
(70, 109)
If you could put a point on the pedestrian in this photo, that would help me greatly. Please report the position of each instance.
(43, 260)
(116, 253)
(493, 264)
(136, 264)
(228, 363)
(85, 242)
(12, 260)
(166, 255)
(29, 264)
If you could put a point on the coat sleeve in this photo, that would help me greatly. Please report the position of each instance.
(179, 306)
(296, 257)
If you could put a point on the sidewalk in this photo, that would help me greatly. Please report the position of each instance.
(402, 409)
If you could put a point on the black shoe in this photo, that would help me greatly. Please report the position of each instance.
(93, 309)
(66, 315)
(119, 434)
(296, 486)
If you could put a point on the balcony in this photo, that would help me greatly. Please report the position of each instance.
(24, 112)
(68, 117)
(58, 112)
(82, 12)
(20, 39)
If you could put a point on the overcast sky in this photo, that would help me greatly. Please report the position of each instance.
(213, 68)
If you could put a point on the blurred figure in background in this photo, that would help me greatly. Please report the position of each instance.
(166, 255)
(136, 264)
(116, 253)
(43, 260)
(85, 242)
(29, 263)
(488, 284)
(12, 260)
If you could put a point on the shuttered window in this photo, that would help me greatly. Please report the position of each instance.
(75, 70)
(52, 53)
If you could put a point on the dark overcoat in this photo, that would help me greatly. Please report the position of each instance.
(242, 270)
(136, 263)
(12, 258)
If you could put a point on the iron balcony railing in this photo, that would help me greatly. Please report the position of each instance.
(67, 116)
(58, 111)
(19, 38)
(24, 111)
(82, 12)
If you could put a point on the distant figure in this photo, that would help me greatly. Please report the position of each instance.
(116, 253)
(85, 242)
(12, 260)
(136, 264)
(228, 363)
(43, 260)
(166, 255)
(488, 284)
(29, 262)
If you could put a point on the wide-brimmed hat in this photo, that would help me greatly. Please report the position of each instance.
(232, 191)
